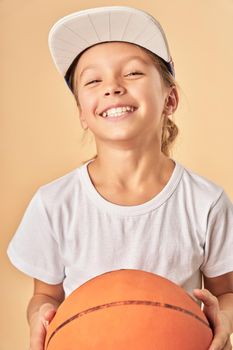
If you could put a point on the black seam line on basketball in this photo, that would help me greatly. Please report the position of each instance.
(126, 302)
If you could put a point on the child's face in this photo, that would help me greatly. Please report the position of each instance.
(110, 81)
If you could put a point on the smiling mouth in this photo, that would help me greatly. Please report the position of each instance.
(118, 112)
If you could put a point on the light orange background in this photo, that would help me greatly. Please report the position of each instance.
(41, 134)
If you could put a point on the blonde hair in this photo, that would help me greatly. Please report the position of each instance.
(169, 129)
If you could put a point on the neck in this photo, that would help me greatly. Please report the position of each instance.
(130, 170)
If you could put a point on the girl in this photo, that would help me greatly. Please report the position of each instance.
(132, 206)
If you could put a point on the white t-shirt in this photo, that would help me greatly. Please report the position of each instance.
(70, 233)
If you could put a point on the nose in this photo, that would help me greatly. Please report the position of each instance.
(114, 89)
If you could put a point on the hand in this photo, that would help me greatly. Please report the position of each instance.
(217, 318)
(39, 324)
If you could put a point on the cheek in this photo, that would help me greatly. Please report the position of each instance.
(151, 98)
(156, 97)
(88, 100)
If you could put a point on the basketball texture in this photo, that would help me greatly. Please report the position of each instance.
(129, 310)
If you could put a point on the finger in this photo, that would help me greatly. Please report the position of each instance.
(228, 345)
(206, 297)
(45, 323)
(219, 343)
(49, 314)
(210, 306)
(46, 307)
(37, 342)
(47, 318)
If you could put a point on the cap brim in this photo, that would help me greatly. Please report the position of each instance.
(74, 33)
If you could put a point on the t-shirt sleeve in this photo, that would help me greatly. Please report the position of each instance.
(34, 248)
(218, 256)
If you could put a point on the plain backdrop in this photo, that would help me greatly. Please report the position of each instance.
(41, 137)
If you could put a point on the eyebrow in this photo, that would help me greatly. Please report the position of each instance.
(131, 58)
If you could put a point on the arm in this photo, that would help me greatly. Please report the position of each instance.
(222, 288)
(41, 309)
(218, 307)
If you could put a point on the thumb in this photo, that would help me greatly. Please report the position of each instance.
(48, 316)
(211, 305)
(47, 312)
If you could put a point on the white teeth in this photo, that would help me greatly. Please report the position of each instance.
(116, 112)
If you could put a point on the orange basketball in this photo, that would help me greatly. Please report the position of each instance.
(129, 310)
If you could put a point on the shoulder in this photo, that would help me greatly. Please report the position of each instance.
(61, 190)
(200, 188)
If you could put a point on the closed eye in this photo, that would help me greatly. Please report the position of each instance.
(93, 81)
(131, 73)
(135, 73)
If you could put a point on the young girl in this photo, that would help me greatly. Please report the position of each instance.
(132, 206)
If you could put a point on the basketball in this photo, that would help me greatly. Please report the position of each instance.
(129, 310)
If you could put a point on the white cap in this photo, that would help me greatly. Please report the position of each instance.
(76, 32)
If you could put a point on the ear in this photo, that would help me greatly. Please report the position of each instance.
(171, 101)
(82, 119)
